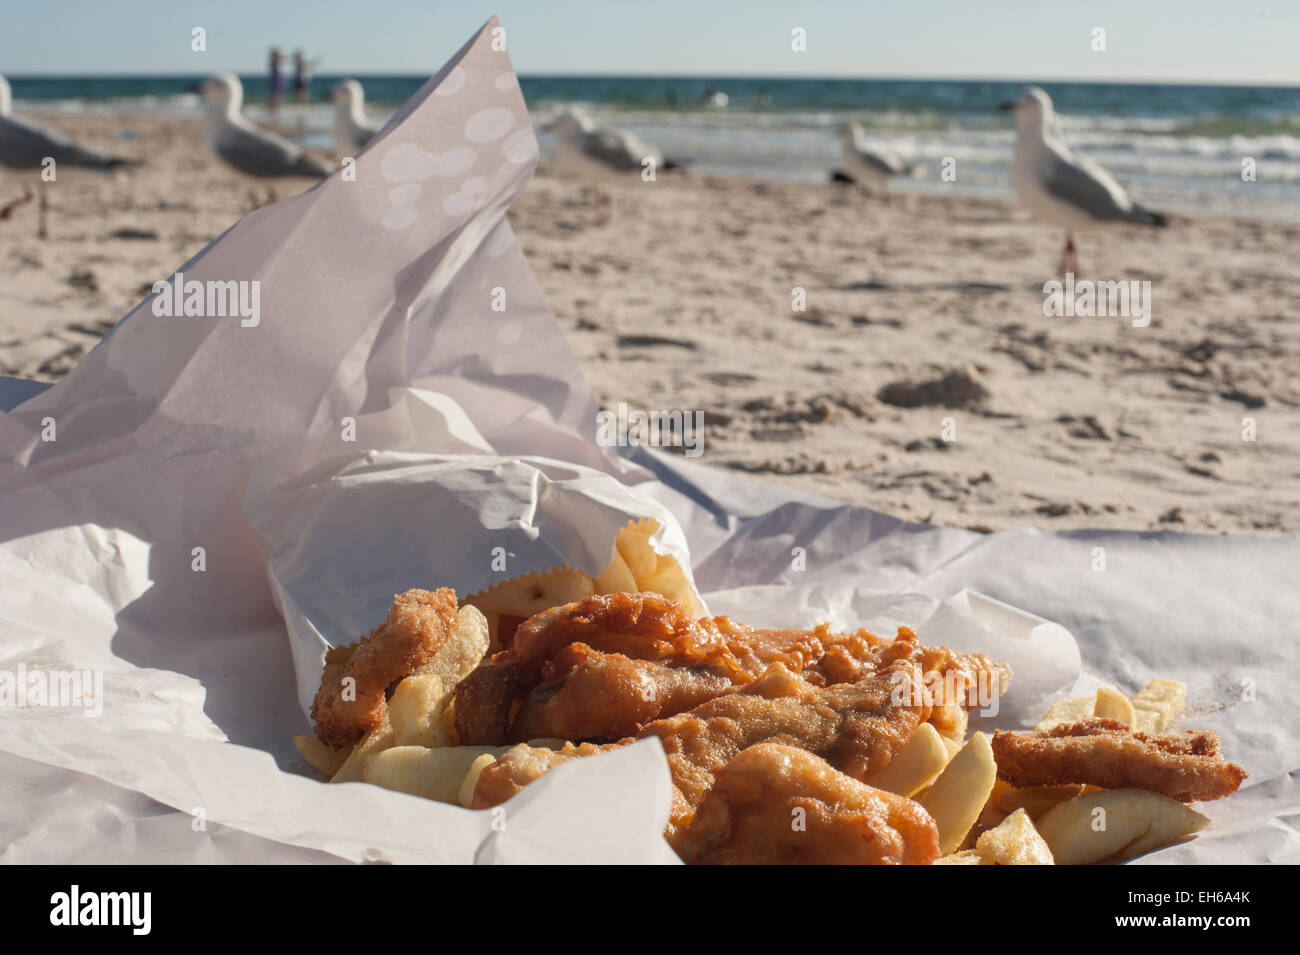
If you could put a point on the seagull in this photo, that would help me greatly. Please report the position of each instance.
(868, 167)
(600, 153)
(27, 145)
(352, 130)
(1058, 185)
(245, 147)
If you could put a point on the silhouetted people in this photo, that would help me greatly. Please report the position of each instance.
(301, 77)
(277, 78)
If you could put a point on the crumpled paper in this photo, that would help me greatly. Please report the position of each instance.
(198, 488)
(341, 546)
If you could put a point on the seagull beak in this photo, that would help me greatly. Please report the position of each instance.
(1006, 107)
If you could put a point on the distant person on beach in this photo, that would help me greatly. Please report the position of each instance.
(277, 77)
(301, 77)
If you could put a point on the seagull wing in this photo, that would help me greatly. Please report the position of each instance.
(1083, 184)
(363, 131)
(259, 152)
(616, 149)
(25, 145)
(883, 162)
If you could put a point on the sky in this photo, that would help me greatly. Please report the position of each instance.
(1153, 40)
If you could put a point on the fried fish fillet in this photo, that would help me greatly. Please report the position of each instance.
(603, 668)
(1106, 753)
(855, 727)
(418, 624)
(586, 694)
(775, 804)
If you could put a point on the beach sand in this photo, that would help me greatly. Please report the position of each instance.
(684, 302)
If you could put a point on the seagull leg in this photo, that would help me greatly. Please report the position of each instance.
(604, 207)
(7, 211)
(1069, 256)
(43, 211)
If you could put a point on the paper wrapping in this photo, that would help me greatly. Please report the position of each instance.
(220, 501)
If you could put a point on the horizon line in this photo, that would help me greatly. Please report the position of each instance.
(719, 77)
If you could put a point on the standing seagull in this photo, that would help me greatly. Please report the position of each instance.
(1058, 185)
(352, 130)
(600, 153)
(245, 147)
(866, 166)
(26, 145)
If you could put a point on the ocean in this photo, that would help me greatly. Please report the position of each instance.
(1176, 147)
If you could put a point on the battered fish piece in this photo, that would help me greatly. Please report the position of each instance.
(570, 672)
(1106, 753)
(586, 694)
(856, 727)
(748, 816)
(523, 764)
(485, 699)
(600, 669)
(639, 626)
(418, 624)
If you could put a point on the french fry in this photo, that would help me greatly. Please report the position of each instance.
(376, 741)
(420, 771)
(1158, 704)
(1014, 841)
(532, 593)
(449, 720)
(958, 795)
(462, 652)
(415, 710)
(1068, 711)
(915, 766)
(1113, 705)
(327, 759)
(634, 547)
(1116, 822)
(466, 794)
(494, 628)
(616, 578)
(670, 583)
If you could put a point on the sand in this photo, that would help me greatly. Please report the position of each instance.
(684, 302)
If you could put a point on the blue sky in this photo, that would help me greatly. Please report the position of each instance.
(1170, 40)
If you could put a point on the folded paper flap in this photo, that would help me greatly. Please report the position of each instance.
(342, 544)
(617, 830)
(401, 225)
